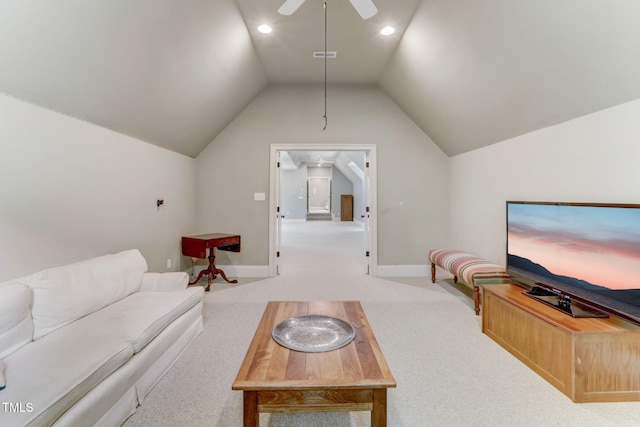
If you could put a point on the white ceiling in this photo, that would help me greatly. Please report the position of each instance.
(362, 53)
(291, 160)
(176, 73)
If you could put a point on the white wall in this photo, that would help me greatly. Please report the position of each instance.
(595, 158)
(70, 190)
(412, 170)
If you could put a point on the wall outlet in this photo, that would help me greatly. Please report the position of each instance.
(168, 263)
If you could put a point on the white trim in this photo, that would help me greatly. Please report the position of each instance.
(263, 270)
(232, 271)
(273, 197)
(273, 215)
(404, 271)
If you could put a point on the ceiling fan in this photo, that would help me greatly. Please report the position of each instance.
(365, 8)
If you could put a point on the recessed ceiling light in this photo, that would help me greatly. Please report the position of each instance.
(387, 31)
(265, 29)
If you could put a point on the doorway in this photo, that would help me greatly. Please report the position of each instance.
(319, 195)
(368, 176)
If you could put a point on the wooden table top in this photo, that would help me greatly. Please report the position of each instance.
(212, 236)
(269, 366)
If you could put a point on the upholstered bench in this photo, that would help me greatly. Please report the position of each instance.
(473, 271)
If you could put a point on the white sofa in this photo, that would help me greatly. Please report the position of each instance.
(83, 344)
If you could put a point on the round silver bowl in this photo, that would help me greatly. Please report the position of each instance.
(313, 333)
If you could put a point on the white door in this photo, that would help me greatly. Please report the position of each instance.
(275, 216)
(367, 214)
(278, 216)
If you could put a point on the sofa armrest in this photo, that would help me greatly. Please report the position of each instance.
(171, 281)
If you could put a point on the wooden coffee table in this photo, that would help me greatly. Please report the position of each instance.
(353, 378)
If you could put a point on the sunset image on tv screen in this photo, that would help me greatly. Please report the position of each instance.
(592, 247)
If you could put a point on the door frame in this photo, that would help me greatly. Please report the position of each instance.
(371, 232)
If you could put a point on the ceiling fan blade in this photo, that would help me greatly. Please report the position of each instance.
(290, 6)
(365, 8)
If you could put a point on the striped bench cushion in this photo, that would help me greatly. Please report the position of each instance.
(473, 271)
(491, 278)
(466, 266)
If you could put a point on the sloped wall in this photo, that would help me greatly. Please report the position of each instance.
(412, 170)
(595, 158)
(70, 190)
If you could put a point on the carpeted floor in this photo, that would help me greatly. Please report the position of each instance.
(448, 373)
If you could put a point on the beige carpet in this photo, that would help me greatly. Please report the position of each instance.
(448, 373)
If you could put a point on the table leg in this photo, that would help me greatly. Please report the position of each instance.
(202, 273)
(214, 271)
(211, 271)
(250, 409)
(379, 410)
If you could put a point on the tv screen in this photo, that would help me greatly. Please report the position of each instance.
(589, 251)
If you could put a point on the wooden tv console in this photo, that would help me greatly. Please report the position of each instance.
(589, 360)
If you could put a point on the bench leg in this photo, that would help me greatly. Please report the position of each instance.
(476, 299)
(433, 273)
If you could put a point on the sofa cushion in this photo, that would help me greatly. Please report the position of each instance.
(16, 325)
(169, 281)
(136, 319)
(51, 376)
(64, 294)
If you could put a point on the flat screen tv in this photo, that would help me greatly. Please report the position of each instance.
(582, 252)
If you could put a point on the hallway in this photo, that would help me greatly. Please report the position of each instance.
(322, 247)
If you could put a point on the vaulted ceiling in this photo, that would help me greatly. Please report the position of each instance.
(175, 73)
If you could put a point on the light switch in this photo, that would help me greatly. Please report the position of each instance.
(258, 196)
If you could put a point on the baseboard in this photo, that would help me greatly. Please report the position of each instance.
(403, 270)
(236, 270)
(263, 270)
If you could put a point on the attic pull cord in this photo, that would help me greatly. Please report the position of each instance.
(325, 67)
